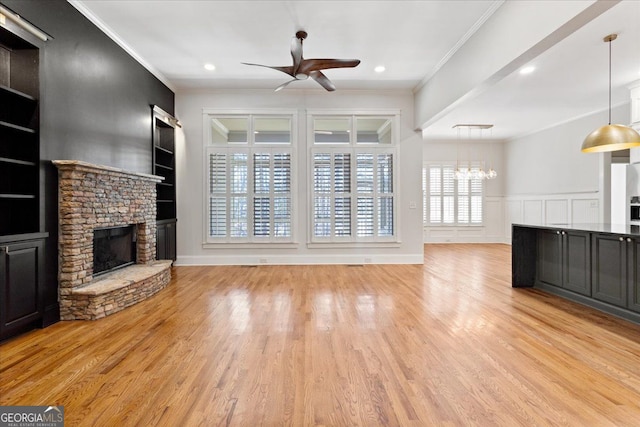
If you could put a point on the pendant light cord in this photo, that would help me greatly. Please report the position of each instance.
(610, 81)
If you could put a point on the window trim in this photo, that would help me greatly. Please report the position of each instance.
(251, 147)
(353, 147)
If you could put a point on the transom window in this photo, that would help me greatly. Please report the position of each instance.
(249, 166)
(353, 169)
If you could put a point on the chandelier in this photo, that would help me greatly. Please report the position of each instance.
(469, 173)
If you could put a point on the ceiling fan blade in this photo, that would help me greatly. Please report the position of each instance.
(287, 70)
(322, 80)
(296, 53)
(309, 65)
(283, 85)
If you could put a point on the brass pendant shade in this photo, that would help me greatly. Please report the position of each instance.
(610, 137)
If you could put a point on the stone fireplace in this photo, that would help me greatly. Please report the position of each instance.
(91, 199)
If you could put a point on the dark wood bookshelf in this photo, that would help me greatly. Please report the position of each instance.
(23, 242)
(164, 166)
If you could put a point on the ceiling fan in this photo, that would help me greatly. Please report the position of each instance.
(302, 68)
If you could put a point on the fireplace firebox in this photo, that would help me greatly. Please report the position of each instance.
(113, 248)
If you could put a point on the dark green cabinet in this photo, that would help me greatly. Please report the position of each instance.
(564, 260)
(609, 272)
(21, 270)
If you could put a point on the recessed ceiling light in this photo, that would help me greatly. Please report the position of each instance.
(209, 67)
(527, 70)
(379, 69)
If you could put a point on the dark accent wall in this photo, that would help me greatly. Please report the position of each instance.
(95, 106)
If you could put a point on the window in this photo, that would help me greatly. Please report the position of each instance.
(353, 179)
(249, 165)
(447, 201)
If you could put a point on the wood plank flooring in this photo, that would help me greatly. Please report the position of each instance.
(449, 343)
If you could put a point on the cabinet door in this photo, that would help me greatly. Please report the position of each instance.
(550, 257)
(633, 273)
(20, 294)
(161, 241)
(576, 262)
(171, 241)
(609, 264)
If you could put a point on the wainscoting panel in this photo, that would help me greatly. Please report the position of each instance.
(513, 215)
(550, 209)
(532, 211)
(556, 211)
(585, 211)
(491, 231)
(494, 218)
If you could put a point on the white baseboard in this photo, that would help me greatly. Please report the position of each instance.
(341, 259)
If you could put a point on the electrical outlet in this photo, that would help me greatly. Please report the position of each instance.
(263, 260)
(367, 260)
(412, 205)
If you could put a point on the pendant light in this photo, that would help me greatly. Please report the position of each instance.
(610, 137)
(468, 172)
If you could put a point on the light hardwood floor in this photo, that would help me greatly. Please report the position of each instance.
(449, 343)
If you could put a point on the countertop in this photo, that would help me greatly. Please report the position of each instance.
(625, 229)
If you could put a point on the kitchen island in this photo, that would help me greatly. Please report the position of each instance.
(597, 265)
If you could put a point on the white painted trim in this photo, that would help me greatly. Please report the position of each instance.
(120, 42)
(470, 32)
(209, 114)
(337, 259)
(354, 112)
(552, 195)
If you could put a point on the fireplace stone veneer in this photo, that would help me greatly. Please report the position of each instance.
(93, 196)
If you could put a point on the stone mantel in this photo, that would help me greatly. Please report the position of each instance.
(93, 168)
(91, 197)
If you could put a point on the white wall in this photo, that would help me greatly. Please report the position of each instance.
(491, 152)
(619, 202)
(549, 180)
(190, 179)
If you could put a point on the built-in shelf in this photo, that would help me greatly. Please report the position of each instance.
(16, 127)
(17, 162)
(17, 196)
(158, 165)
(21, 217)
(164, 150)
(19, 141)
(164, 165)
(13, 92)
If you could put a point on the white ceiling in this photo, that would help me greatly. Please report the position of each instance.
(412, 39)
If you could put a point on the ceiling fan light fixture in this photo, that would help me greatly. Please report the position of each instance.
(610, 137)
(303, 68)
